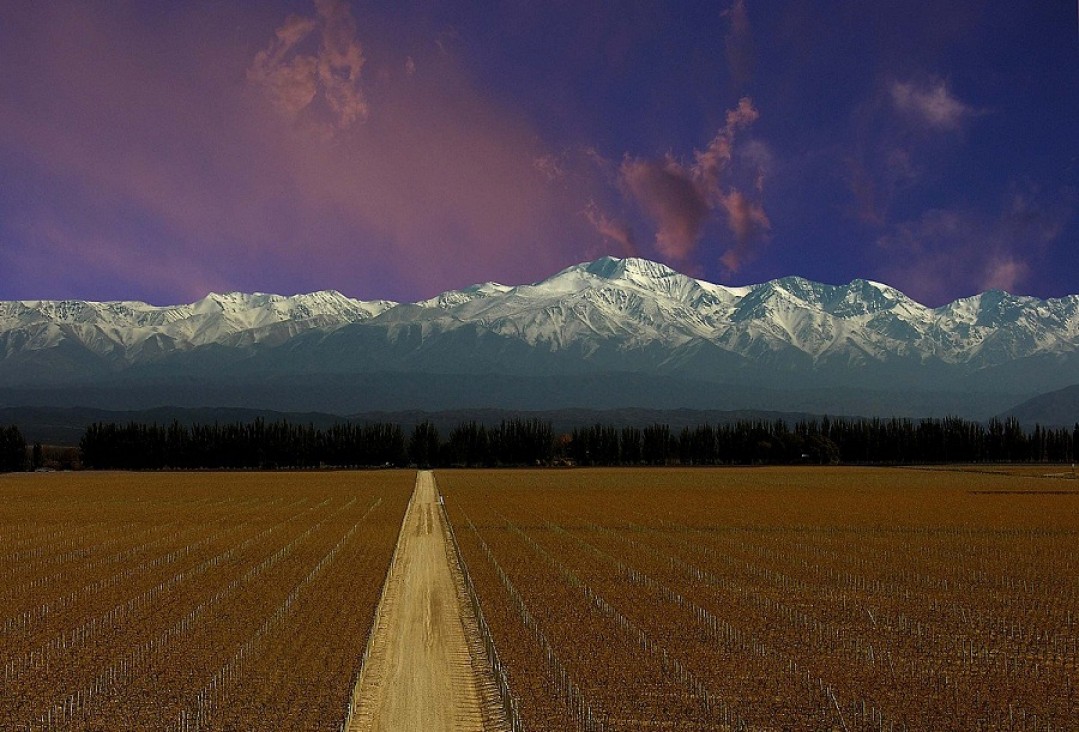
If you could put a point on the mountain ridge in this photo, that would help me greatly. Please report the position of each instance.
(1059, 408)
(610, 315)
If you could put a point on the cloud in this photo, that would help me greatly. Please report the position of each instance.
(340, 61)
(291, 83)
(284, 160)
(680, 198)
(863, 186)
(1004, 274)
(945, 250)
(294, 81)
(739, 43)
(713, 160)
(221, 164)
(81, 258)
(549, 166)
(932, 106)
(930, 257)
(875, 182)
(758, 157)
(896, 142)
(1033, 215)
(741, 116)
(616, 231)
(668, 193)
(749, 224)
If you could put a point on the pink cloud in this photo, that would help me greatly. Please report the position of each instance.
(680, 199)
(945, 249)
(550, 166)
(1004, 274)
(616, 231)
(294, 80)
(711, 162)
(741, 116)
(92, 264)
(340, 61)
(739, 43)
(667, 192)
(749, 224)
(291, 83)
(927, 257)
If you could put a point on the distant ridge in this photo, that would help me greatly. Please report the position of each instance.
(607, 334)
(1058, 408)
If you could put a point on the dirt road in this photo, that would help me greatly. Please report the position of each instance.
(419, 673)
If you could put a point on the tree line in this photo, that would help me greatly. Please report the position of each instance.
(826, 441)
(12, 450)
(257, 444)
(281, 444)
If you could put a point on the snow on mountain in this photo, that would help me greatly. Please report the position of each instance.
(453, 298)
(126, 331)
(633, 300)
(622, 306)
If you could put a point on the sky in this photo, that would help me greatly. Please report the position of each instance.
(159, 151)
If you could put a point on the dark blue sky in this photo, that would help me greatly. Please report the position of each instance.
(162, 150)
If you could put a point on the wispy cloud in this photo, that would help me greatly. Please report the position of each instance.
(899, 132)
(877, 177)
(550, 166)
(943, 250)
(668, 193)
(739, 43)
(930, 105)
(1005, 273)
(290, 80)
(614, 230)
(331, 74)
(681, 197)
(749, 224)
(713, 160)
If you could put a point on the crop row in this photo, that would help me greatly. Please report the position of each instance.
(240, 601)
(727, 599)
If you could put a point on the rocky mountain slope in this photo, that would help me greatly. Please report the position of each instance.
(785, 344)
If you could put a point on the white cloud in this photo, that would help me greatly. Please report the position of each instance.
(932, 106)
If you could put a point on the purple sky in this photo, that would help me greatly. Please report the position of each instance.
(161, 150)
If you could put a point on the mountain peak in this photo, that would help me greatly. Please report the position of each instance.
(632, 268)
(618, 308)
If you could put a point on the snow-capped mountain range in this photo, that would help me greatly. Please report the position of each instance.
(618, 318)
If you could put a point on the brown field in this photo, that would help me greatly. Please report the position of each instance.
(794, 599)
(791, 598)
(184, 601)
(1055, 471)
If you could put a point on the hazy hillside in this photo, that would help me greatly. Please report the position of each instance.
(1056, 408)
